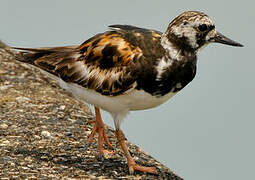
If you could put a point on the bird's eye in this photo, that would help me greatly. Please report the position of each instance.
(202, 27)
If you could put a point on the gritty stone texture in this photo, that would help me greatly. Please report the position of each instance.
(44, 132)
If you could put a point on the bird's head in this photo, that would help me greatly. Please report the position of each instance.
(192, 30)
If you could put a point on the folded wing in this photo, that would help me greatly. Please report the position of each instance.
(102, 63)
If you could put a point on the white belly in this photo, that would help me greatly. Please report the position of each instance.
(132, 100)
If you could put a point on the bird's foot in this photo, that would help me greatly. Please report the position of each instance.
(132, 166)
(102, 138)
(131, 163)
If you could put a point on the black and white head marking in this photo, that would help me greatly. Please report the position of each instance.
(190, 31)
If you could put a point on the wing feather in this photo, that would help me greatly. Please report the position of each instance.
(101, 63)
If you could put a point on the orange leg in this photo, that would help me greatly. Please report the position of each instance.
(99, 128)
(131, 163)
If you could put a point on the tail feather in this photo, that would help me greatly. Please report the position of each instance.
(30, 55)
(47, 59)
(48, 49)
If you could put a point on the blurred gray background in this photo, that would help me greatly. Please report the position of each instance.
(205, 132)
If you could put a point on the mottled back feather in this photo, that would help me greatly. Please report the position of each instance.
(107, 62)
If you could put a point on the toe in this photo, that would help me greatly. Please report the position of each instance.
(135, 167)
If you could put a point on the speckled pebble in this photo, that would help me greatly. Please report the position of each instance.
(62, 107)
(46, 134)
(37, 137)
(4, 143)
(22, 99)
(5, 87)
(4, 126)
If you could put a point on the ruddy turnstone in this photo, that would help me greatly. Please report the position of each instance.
(128, 68)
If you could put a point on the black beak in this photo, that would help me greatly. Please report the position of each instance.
(220, 38)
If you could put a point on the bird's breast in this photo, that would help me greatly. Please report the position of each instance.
(140, 100)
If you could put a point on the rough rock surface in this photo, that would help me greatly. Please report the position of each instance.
(44, 132)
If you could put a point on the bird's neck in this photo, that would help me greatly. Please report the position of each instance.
(175, 48)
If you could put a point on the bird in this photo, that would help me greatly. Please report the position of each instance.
(128, 68)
